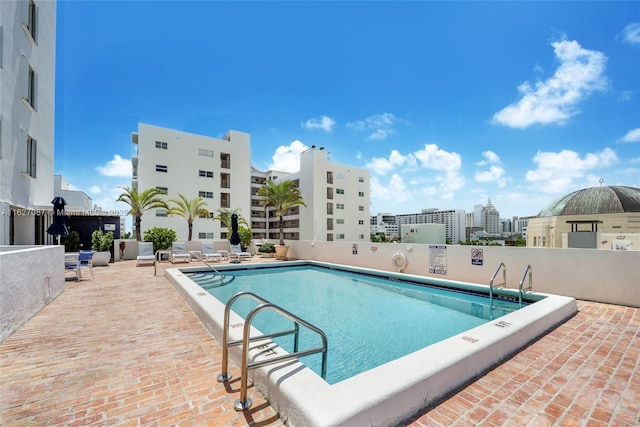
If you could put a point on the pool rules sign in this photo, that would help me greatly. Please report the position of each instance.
(438, 259)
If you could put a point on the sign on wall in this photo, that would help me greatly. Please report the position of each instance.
(438, 259)
(476, 257)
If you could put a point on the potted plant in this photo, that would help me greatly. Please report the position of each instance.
(281, 196)
(101, 242)
(267, 250)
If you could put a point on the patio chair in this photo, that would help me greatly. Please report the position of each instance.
(71, 263)
(209, 252)
(145, 253)
(237, 253)
(85, 261)
(179, 253)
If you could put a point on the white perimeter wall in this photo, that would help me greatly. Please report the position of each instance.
(30, 278)
(587, 274)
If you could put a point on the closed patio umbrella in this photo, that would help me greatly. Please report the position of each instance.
(58, 227)
(235, 237)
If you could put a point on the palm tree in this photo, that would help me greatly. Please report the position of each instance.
(189, 209)
(224, 216)
(139, 203)
(281, 196)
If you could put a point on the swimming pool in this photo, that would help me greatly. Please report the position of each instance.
(393, 391)
(369, 320)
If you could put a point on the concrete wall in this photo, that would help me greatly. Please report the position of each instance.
(30, 278)
(587, 274)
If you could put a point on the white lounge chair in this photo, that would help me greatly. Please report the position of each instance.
(145, 253)
(209, 253)
(179, 253)
(236, 253)
(85, 260)
(71, 263)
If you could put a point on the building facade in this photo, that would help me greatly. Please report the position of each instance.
(220, 171)
(181, 163)
(27, 80)
(453, 219)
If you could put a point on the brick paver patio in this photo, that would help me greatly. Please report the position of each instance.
(124, 349)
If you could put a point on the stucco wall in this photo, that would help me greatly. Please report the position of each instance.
(30, 278)
(595, 275)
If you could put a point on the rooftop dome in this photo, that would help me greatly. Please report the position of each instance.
(595, 200)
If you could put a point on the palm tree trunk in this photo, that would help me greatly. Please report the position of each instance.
(138, 234)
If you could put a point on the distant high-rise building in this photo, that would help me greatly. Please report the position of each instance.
(490, 219)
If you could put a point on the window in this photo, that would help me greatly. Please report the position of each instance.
(32, 156)
(31, 23)
(361, 208)
(360, 179)
(361, 222)
(162, 145)
(361, 236)
(206, 153)
(339, 205)
(161, 212)
(206, 174)
(31, 88)
(339, 190)
(340, 175)
(225, 161)
(164, 190)
(205, 194)
(329, 177)
(339, 221)
(161, 168)
(361, 193)
(339, 236)
(202, 236)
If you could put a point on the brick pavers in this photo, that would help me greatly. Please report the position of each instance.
(124, 349)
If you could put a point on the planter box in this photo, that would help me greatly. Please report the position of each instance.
(101, 258)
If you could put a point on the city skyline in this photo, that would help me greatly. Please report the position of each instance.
(446, 104)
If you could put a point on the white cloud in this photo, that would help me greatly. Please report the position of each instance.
(496, 172)
(631, 33)
(94, 189)
(557, 171)
(379, 126)
(382, 166)
(626, 95)
(555, 100)
(116, 167)
(432, 157)
(394, 192)
(489, 158)
(324, 123)
(632, 136)
(287, 157)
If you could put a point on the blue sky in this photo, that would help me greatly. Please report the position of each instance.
(447, 104)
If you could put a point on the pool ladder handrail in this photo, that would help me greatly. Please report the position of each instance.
(198, 255)
(243, 402)
(528, 270)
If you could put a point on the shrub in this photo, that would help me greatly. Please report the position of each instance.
(267, 248)
(162, 238)
(101, 241)
(71, 242)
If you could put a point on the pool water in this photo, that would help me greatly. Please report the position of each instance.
(368, 320)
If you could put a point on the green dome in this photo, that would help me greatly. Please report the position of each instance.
(595, 200)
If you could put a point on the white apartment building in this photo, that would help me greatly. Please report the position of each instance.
(218, 170)
(337, 198)
(385, 223)
(27, 85)
(453, 219)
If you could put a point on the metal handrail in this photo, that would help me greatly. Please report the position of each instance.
(204, 260)
(243, 402)
(503, 284)
(528, 270)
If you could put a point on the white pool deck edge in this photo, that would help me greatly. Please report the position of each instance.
(388, 394)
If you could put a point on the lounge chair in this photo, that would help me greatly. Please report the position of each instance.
(209, 253)
(238, 254)
(179, 253)
(145, 253)
(85, 261)
(71, 263)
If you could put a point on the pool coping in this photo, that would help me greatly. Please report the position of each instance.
(390, 393)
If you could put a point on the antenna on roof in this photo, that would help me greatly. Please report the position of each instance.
(601, 180)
